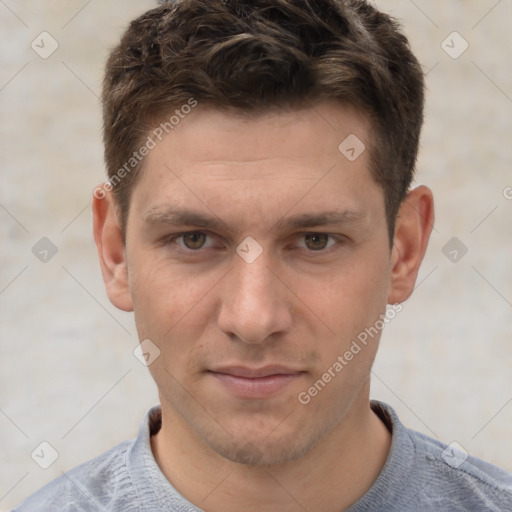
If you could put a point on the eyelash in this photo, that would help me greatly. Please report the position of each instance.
(338, 239)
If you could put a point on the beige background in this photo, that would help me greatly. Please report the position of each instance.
(68, 374)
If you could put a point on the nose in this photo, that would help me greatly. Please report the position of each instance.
(255, 304)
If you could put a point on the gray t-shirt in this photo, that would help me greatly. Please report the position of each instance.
(420, 474)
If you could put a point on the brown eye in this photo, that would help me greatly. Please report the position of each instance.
(194, 240)
(316, 241)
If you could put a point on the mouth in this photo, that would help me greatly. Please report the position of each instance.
(255, 383)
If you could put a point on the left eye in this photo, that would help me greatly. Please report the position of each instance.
(317, 241)
(193, 240)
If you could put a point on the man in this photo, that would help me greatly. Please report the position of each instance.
(260, 223)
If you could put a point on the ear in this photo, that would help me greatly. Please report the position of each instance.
(111, 250)
(412, 231)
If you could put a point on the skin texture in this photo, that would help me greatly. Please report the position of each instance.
(299, 304)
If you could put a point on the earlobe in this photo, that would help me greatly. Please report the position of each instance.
(111, 250)
(412, 232)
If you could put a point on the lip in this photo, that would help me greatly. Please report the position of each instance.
(254, 373)
(255, 383)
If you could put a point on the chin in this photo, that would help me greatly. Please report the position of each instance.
(254, 451)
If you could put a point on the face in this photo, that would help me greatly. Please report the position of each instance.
(257, 252)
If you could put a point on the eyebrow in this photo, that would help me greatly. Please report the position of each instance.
(173, 216)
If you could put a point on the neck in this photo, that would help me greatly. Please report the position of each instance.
(331, 476)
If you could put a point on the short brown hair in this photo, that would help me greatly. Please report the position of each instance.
(255, 55)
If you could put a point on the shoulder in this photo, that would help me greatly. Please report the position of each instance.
(450, 477)
(89, 486)
(422, 473)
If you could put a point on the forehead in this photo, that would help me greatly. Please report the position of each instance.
(297, 135)
(271, 161)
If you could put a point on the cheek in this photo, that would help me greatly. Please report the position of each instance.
(353, 305)
(351, 297)
(162, 299)
(172, 309)
(369, 288)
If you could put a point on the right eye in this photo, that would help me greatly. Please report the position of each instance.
(191, 240)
